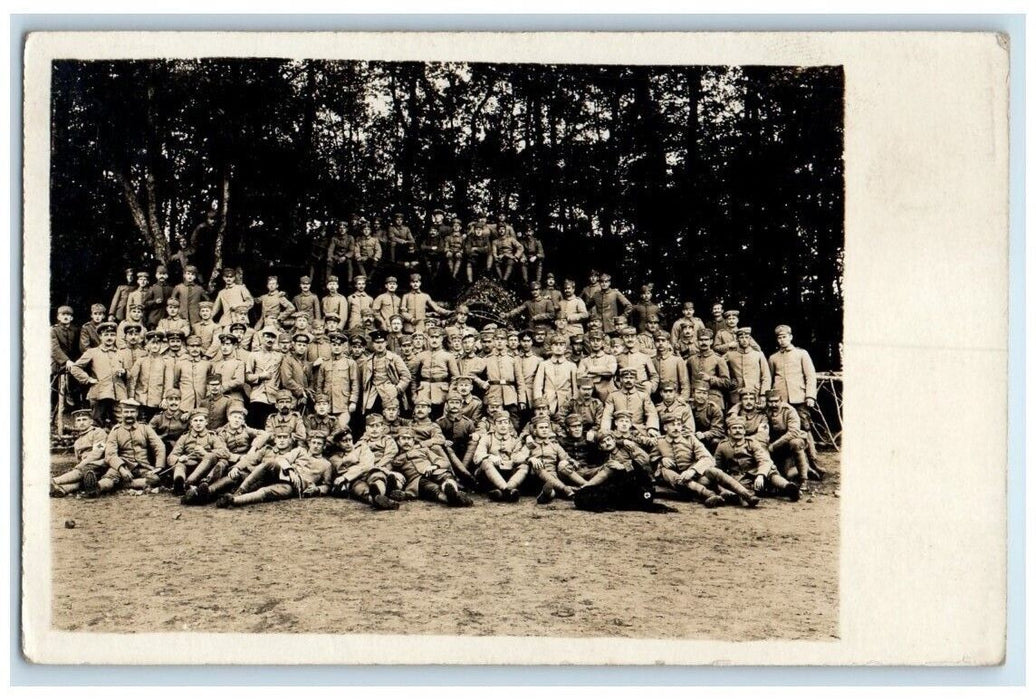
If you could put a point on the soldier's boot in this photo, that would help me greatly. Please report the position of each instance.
(703, 494)
(726, 481)
(802, 459)
(250, 498)
(454, 497)
(179, 479)
(201, 471)
(225, 501)
(221, 486)
(471, 273)
(103, 486)
(547, 494)
(785, 487)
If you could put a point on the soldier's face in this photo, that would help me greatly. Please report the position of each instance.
(227, 348)
(379, 346)
(228, 280)
(543, 430)
(737, 431)
(108, 338)
(558, 348)
(283, 345)
(538, 337)
(700, 396)
(688, 312)
(629, 341)
(282, 441)
(652, 327)
(687, 336)
(214, 389)
(623, 425)
(628, 381)
(406, 442)
(304, 286)
(664, 348)
(731, 322)
(194, 351)
(396, 325)
(356, 349)
(468, 344)
(337, 348)
(161, 276)
(205, 312)
(672, 428)
(133, 337)
(283, 405)
(464, 388)
(236, 420)
(189, 277)
(608, 443)
(172, 310)
(435, 342)
(499, 344)
(198, 423)
(512, 342)
(300, 347)
(453, 406)
(82, 423)
(748, 402)
(129, 415)
(606, 282)
(332, 287)
(415, 285)
(773, 404)
(783, 339)
(668, 395)
(422, 411)
(97, 316)
(502, 425)
(130, 276)
(135, 313)
(574, 429)
(316, 446)
(360, 284)
(717, 310)
(171, 405)
(322, 408)
(743, 340)
(142, 280)
(596, 344)
(586, 391)
(704, 343)
(64, 318)
(377, 430)
(525, 343)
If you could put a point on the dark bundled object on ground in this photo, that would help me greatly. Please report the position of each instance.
(624, 491)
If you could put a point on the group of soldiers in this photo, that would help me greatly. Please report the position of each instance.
(241, 399)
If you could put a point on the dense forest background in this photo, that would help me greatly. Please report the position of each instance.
(712, 182)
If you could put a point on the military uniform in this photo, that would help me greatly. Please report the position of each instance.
(358, 303)
(555, 381)
(108, 368)
(748, 370)
(709, 367)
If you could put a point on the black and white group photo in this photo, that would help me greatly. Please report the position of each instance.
(460, 348)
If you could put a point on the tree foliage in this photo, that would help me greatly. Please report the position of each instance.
(712, 182)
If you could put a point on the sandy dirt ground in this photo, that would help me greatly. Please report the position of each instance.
(147, 564)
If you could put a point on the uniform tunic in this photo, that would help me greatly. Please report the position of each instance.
(308, 303)
(708, 419)
(506, 381)
(433, 370)
(680, 409)
(190, 297)
(155, 299)
(575, 312)
(103, 365)
(191, 377)
(647, 375)
(358, 303)
(746, 459)
(528, 364)
(150, 377)
(601, 367)
(168, 426)
(385, 306)
(230, 298)
(132, 447)
(414, 309)
(693, 322)
(274, 303)
(748, 370)
(793, 375)
(607, 304)
(339, 378)
(709, 367)
(268, 363)
(492, 446)
(292, 421)
(336, 304)
(64, 345)
(205, 442)
(636, 402)
(674, 369)
(756, 426)
(240, 441)
(296, 375)
(556, 381)
(686, 451)
(232, 371)
(386, 376)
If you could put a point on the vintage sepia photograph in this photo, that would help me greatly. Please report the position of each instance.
(446, 348)
(514, 348)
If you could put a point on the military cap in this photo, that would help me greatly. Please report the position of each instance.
(462, 378)
(688, 305)
(415, 276)
(573, 419)
(229, 271)
(136, 306)
(422, 402)
(773, 394)
(304, 337)
(367, 313)
(668, 418)
(283, 337)
(375, 419)
(731, 313)
(299, 314)
(525, 334)
(336, 337)
(172, 394)
(558, 339)
(285, 394)
(269, 331)
(434, 332)
(699, 384)
(129, 402)
(357, 338)
(735, 420)
(622, 414)
(628, 330)
(107, 327)
(305, 280)
(332, 278)
(129, 269)
(97, 307)
(569, 283)
(321, 398)
(133, 328)
(160, 270)
(65, 310)
(454, 396)
(316, 435)
(332, 315)
(744, 330)
(539, 420)
(193, 340)
(457, 220)
(215, 378)
(705, 333)
(282, 431)
(601, 437)
(500, 334)
(782, 329)
(490, 327)
(241, 309)
(237, 408)
(605, 276)
(501, 415)
(359, 277)
(627, 371)
(541, 402)
(377, 336)
(205, 305)
(534, 285)
(667, 385)
(82, 412)
(585, 380)
(652, 318)
(191, 268)
(470, 333)
(238, 324)
(438, 211)
(143, 273)
(199, 412)
(646, 288)
(512, 333)
(595, 335)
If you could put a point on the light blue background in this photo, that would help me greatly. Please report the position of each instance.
(1013, 673)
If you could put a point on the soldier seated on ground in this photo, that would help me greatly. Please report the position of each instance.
(683, 464)
(496, 469)
(133, 453)
(365, 473)
(294, 473)
(546, 460)
(88, 449)
(427, 473)
(749, 462)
